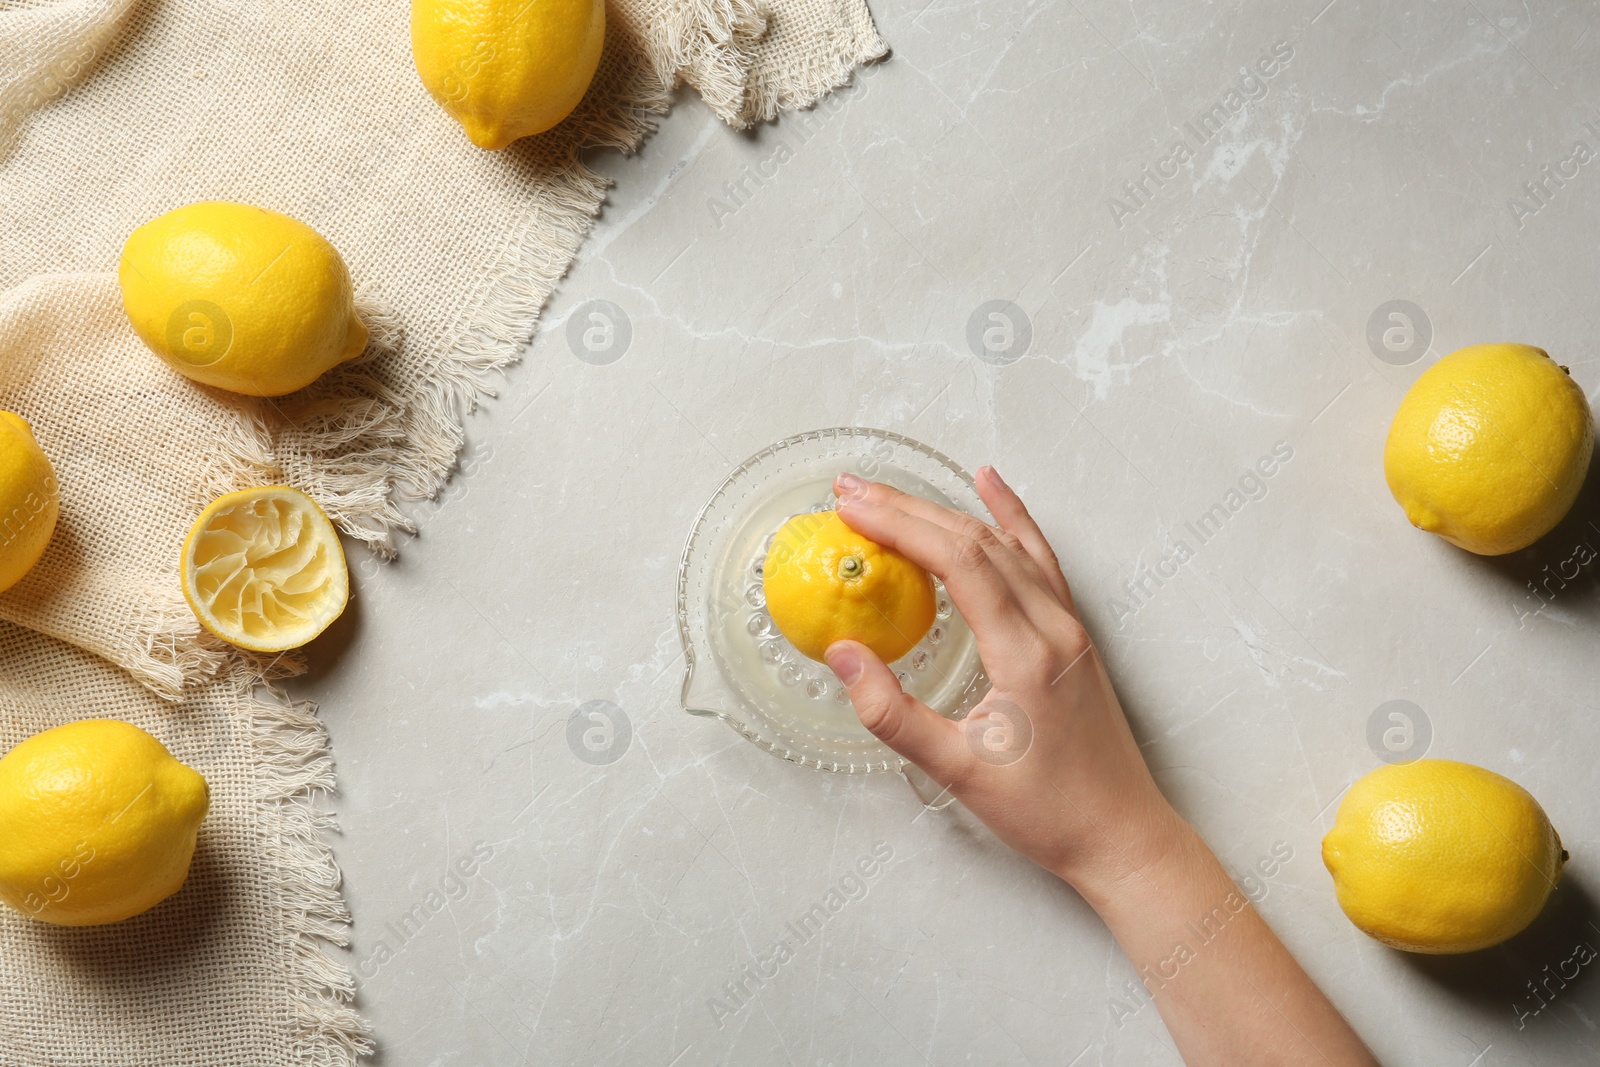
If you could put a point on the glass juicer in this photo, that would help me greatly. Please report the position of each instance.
(739, 668)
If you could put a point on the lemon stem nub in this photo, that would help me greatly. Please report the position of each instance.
(850, 567)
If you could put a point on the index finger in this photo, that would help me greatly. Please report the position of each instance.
(1028, 566)
(962, 563)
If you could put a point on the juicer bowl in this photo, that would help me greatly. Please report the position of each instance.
(739, 668)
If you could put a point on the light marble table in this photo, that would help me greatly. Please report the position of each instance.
(1181, 323)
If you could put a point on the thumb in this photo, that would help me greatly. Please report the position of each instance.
(899, 720)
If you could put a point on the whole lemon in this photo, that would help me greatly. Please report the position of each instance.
(824, 583)
(97, 823)
(506, 69)
(1490, 447)
(240, 298)
(1437, 856)
(30, 500)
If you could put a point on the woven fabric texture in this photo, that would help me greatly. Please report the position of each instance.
(115, 111)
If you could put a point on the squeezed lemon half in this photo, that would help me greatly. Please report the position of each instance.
(263, 569)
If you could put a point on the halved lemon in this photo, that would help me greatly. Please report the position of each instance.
(263, 569)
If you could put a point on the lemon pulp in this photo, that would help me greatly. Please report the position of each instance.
(264, 570)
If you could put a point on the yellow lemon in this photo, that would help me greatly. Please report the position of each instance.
(240, 298)
(824, 583)
(1490, 447)
(1438, 856)
(30, 500)
(506, 69)
(263, 569)
(97, 823)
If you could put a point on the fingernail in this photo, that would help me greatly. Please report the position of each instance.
(849, 486)
(845, 661)
(994, 476)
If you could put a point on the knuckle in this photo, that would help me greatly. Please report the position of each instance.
(1033, 650)
(970, 554)
(892, 726)
(875, 712)
(974, 528)
(1075, 636)
(1070, 652)
(1039, 661)
(878, 493)
(1011, 542)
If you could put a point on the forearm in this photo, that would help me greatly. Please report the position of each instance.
(1228, 990)
(1048, 762)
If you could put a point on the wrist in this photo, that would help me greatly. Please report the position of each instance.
(1143, 849)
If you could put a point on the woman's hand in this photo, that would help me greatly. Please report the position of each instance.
(1047, 760)
(1049, 763)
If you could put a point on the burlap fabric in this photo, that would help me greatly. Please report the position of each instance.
(113, 112)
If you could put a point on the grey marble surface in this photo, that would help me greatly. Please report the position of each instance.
(824, 271)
